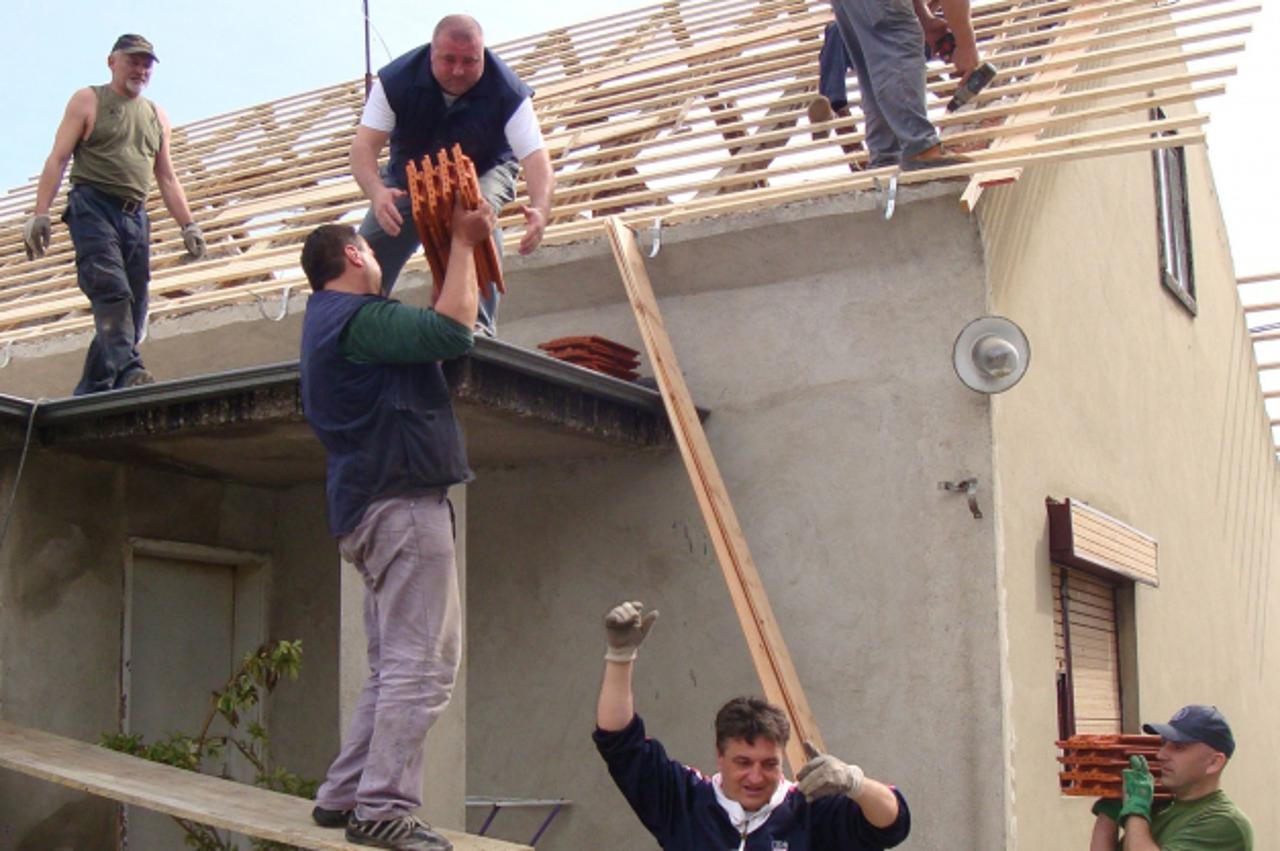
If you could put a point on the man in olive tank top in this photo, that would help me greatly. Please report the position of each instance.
(115, 140)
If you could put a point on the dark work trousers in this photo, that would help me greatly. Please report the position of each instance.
(113, 267)
(833, 63)
(886, 43)
(497, 185)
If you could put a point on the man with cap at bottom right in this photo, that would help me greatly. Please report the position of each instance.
(1197, 744)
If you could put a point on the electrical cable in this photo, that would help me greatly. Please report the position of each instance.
(22, 461)
(368, 19)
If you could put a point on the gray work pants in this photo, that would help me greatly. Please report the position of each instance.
(404, 551)
(886, 44)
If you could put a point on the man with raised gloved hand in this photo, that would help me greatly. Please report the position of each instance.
(1197, 745)
(748, 804)
(119, 140)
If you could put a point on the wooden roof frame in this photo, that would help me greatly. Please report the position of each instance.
(680, 110)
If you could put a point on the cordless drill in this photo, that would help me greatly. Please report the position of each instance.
(978, 80)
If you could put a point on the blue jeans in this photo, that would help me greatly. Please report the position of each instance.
(833, 62)
(113, 268)
(497, 185)
(404, 551)
(886, 44)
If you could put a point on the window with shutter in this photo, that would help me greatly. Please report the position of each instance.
(1087, 651)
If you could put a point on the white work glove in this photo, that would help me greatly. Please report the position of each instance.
(625, 629)
(37, 232)
(193, 239)
(824, 775)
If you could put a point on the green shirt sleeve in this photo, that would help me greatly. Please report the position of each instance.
(391, 332)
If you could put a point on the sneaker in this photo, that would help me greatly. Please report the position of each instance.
(138, 377)
(330, 818)
(935, 157)
(406, 833)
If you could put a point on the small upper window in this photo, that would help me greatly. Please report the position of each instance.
(1173, 220)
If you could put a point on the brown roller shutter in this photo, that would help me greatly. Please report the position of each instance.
(1086, 650)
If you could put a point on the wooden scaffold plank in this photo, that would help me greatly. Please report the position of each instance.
(223, 804)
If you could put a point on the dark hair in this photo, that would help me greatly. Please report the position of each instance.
(324, 253)
(748, 717)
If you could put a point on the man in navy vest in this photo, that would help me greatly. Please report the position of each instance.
(451, 91)
(748, 804)
(374, 393)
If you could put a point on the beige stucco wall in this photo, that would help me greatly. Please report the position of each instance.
(1155, 417)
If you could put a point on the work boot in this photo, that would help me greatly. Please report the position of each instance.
(330, 818)
(820, 111)
(936, 157)
(406, 833)
(138, 377)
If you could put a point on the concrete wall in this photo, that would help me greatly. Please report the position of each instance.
(820, 338)
(1155, 417)
(61, 608)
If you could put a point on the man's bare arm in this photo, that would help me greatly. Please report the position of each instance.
(541, 180)
(171, 192)
(366, 147)
(77, 122)
(626, 625)
(966, 57)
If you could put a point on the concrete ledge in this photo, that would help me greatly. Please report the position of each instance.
(516, 406)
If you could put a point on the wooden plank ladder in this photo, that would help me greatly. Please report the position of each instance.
(764, 638)
(223, 804)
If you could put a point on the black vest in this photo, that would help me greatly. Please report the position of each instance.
(424, 125)
(388, 429)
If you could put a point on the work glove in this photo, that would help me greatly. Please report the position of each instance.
(1139, 789)
(1109, 807)
(36, 234)
(625, 629)
(193, 239)
(824, 775)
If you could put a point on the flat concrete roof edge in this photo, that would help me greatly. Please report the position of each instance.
(194, 388)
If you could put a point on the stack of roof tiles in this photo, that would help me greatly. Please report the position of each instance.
(596, 353)
(433, 190)
(1092, 764)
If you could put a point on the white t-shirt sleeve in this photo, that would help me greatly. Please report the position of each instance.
(377, 113)
(522, 131)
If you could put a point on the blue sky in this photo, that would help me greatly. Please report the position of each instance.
(222, 55)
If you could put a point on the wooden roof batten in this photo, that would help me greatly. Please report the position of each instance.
(681, 110)
(1258, 297)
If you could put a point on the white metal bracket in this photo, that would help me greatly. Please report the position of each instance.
(284, 305)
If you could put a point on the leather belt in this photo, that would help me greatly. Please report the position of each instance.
(128, 207)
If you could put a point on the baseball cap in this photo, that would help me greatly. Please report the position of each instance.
(1197, 723)
(134, 43)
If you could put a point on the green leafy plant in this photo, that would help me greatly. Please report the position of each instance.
(258, 674)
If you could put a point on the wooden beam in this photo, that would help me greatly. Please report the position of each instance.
(764, 638)
(219, 803)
